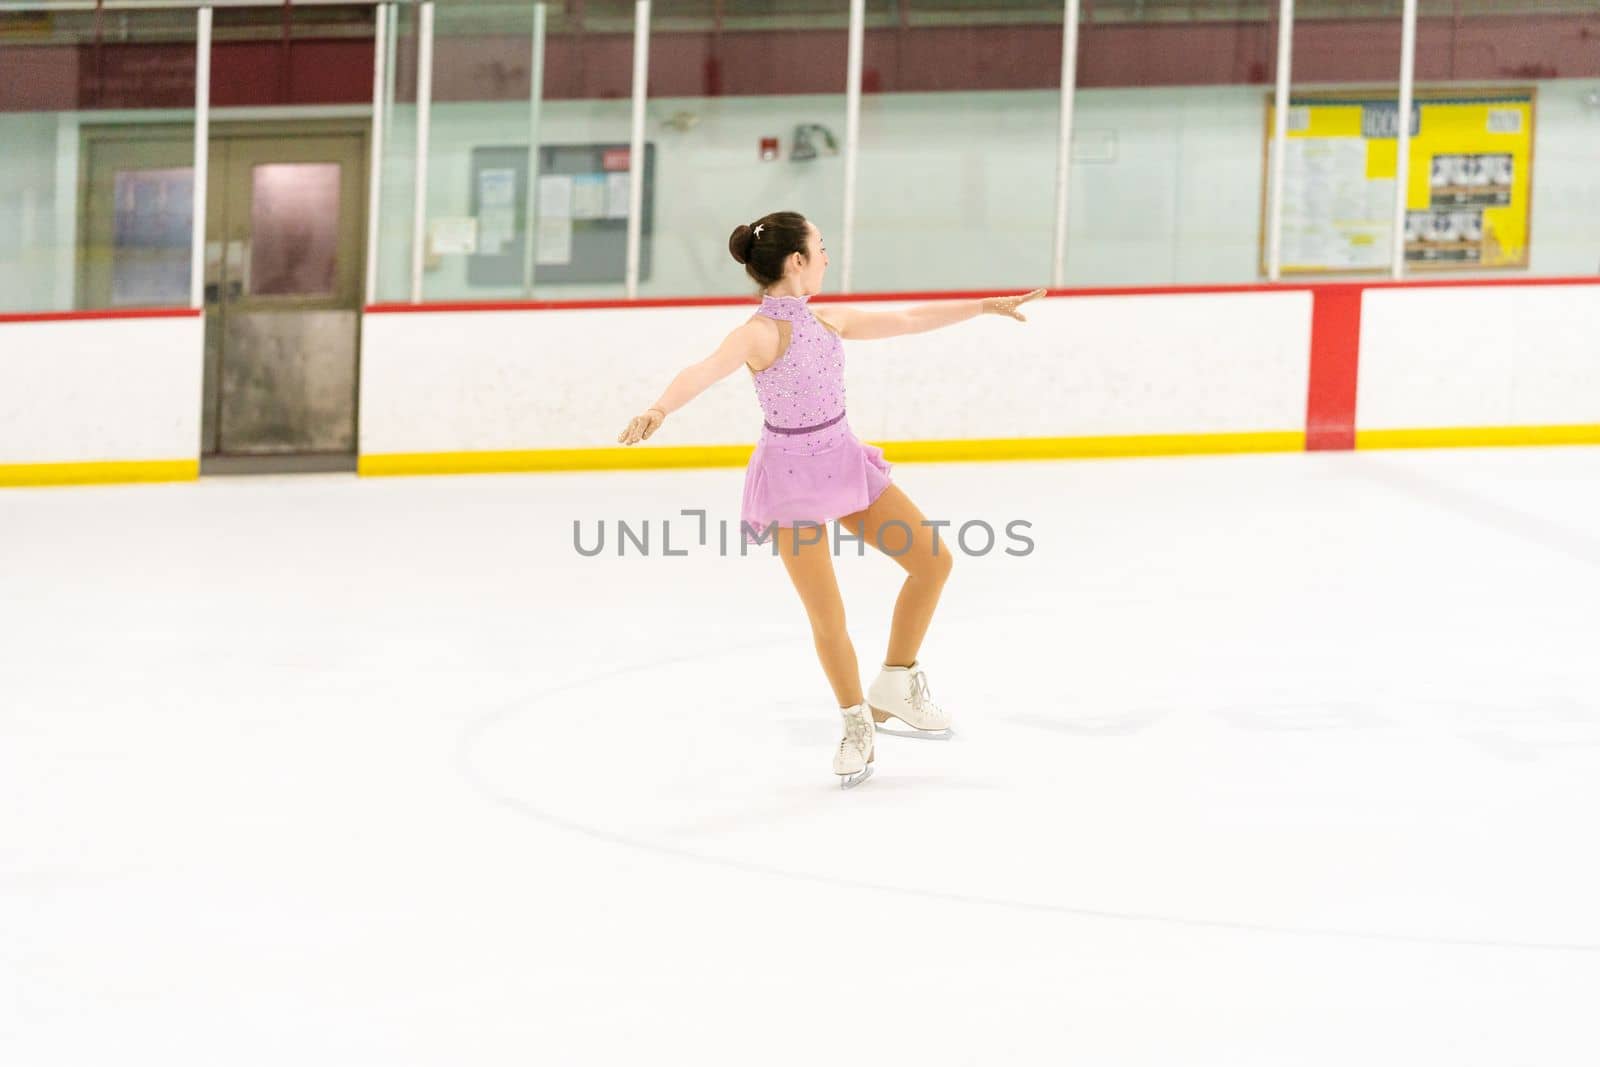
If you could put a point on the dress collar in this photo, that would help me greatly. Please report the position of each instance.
(768, 296)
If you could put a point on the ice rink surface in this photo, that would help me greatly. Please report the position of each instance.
(1280, 759)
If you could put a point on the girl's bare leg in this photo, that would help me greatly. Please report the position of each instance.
(926, 570)
(810, 566)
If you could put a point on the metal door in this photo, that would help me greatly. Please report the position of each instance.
(284, 253)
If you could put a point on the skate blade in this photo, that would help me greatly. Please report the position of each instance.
(850, 781)
(927, 735)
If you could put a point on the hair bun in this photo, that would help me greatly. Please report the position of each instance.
(739, 244)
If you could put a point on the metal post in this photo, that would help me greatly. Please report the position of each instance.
(1069, 90)
(641, 67)
(852, 135)
(1280, 135)
(380, 56)
(530, 237)
(1402, 132)
(202, 144)
(419, 215)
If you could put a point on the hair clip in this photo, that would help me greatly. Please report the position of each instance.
(759, 228)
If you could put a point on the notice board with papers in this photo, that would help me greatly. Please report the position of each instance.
(579, 228)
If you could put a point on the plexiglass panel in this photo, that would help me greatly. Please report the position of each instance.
(1340, 157)
(96, 160)
(1166, 180)
(1514, 163)
(746, 115)
(960, 120)
(397, 161)
(506, 222)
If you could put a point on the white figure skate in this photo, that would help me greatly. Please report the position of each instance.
(902, 693)
(853, 761)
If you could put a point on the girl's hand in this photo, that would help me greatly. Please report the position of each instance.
(641, 426)
(1007, 305)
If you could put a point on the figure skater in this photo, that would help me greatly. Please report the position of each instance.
(809, 469)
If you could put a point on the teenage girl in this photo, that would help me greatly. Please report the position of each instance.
(810, 469)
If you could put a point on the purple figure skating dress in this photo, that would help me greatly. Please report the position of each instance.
(809, 465)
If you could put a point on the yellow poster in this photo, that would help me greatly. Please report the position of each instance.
(1467, 190)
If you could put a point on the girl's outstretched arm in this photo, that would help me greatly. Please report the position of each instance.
(872, 325)
(737, 349)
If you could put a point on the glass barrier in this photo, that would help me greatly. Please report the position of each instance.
(1341, 152)
(291, 55)
(504, 223)
(956, 177)
(1166, 183)
(396, 188)
(1508, 161)
(960, 123)
(96, 160)
(745, 117)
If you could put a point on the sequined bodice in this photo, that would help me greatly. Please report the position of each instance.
(805, 386)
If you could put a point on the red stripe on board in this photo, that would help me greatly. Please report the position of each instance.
(556, 305)
(1335, 355)
(111, 313)
(1467, 283)
(820, 298)
(824, 298)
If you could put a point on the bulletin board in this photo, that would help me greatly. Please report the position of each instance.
(580, 214)
(1468, 190)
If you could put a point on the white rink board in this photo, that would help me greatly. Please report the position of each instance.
(88, 390)
(461, 381)
(1479, 356)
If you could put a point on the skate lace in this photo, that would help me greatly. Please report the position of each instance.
(855, 733)
(921, 698)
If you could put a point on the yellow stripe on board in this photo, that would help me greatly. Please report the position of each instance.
(1479, 437)
(554, 459)
(159, 470)
(644, 456)
(1004, 448)
(1177, 444)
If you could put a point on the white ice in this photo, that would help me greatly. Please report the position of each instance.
(1284, 759)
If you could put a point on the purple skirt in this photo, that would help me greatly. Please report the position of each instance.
(811, 477)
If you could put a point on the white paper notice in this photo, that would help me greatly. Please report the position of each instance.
(453, 236)
(588, 196)
(555, 196)
(617, 195)
(1334, 216)
(554, 248)
(497, 210)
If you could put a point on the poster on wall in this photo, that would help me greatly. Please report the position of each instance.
(1470, 174)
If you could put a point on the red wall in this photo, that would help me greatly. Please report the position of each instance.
(599, 66)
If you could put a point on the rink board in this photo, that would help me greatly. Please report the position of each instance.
(1098, 375)
(100, 397)
(116, 396)
(1469, 365)
(1093, 373)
